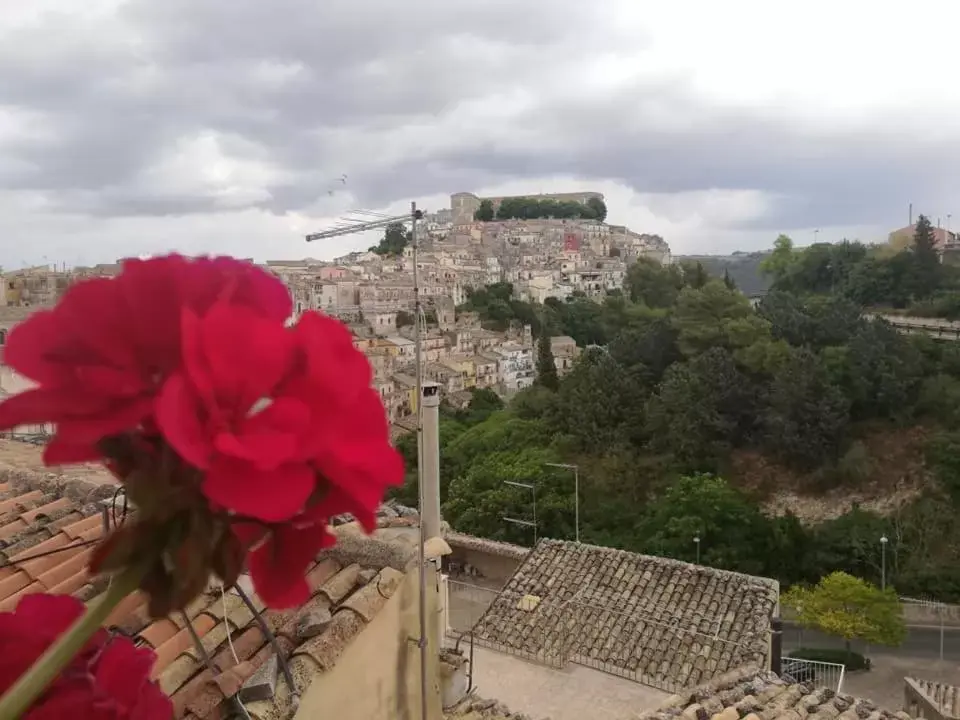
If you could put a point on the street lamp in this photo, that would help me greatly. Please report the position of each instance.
(696, 541)
(883, 562)
(576, 494)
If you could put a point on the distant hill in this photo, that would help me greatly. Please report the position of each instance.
(743, 267)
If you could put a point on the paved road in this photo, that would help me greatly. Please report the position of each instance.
(921, 643)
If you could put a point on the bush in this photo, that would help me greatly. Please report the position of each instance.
(852, 660)
(856, 465)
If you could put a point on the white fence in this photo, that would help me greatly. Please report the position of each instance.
(814, 672)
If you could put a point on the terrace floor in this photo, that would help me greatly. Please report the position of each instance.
(573, 693)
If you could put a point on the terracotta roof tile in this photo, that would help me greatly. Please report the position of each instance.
(125, 609)
(159, 631)
(662, 622)
(9, 603)
(76, 529)
(72, 584)
(46, 555)
(13, 583)
(68, 568)
(43, 516)
(12, 528)
(51, 508)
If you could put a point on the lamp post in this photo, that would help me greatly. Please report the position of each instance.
(576, 494)
(883, 562)
(696, 541)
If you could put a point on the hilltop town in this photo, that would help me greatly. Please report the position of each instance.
(372, 291)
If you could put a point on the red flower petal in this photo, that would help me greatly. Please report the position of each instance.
(123, 671)
(273, 495)
(60, 451)
(269, 438)
(246, 356)
(279, 565)
(178, 415)
(28, 344)
(335, 371)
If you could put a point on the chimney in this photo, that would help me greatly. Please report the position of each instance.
(430, 465)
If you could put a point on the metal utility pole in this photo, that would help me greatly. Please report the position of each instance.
(350, 227)
(883, 562)
(576, 487)
(525, 523)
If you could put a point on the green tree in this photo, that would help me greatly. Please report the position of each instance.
(778, 263)
(404, 319)
(702, 409)
(715, 316)
(598, 404)
(927, 273)
(729, 281)
(806, 418)
(733, 533)
(485, 212)
(599, 208)
(694, 275)
(546, 367)
(653, 284)
(850, 608)
(396, 237)
(479, 499)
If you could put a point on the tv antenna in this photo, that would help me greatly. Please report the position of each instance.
(370, 220)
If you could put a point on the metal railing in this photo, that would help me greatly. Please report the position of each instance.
(925, 611)
(540, 640)
(813, 672)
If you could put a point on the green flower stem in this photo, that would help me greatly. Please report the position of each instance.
(32, 683)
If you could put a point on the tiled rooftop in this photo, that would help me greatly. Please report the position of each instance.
(751, 695)
(662, 622)
(352, 581)
(27, 456)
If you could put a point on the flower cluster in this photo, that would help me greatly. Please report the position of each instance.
(109, 679)
(236, 435)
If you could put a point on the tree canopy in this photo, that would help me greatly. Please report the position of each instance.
(532, 208)
(686, 398)
(850, 608)
(395, 239)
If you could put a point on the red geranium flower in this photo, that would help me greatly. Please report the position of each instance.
(108, 679)
(268, 413)
(100, 356)
(262, 409)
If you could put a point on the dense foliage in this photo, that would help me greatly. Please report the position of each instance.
(850, 608)
(681, 378)
(395, 239)
(531, 208)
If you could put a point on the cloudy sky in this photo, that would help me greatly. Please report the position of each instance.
(137, 126)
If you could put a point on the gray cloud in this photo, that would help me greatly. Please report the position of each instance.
(380, 90)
